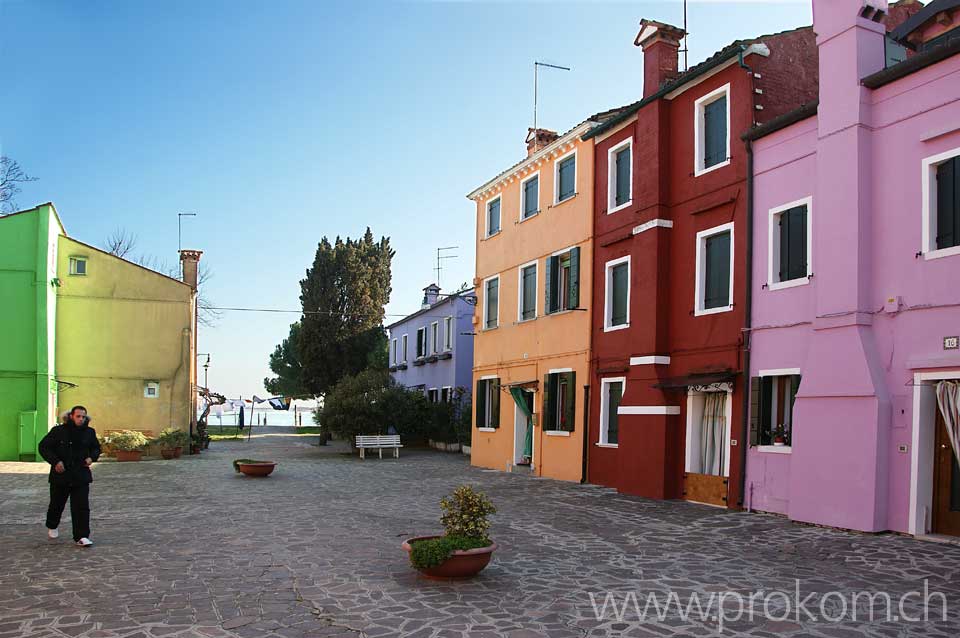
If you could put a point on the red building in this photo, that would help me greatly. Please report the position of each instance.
(670, 263)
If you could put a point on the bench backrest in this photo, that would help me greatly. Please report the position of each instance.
(385, 440)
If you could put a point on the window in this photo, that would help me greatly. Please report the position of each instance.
(712, 130)
(562, 290)
(448, 333)
(78, 265)
(433, 395)
(773, 395)
(565, 178)
(527, 303)
(446, 394)
(395, 360)
(617, 305)
(488, 403)
(491, 303)
(611, 391)
(620, 176)
(941, 205)
(893, 51)
(403, 348)
(714, 284)
(530, 197)
(421, 343)
(151, 390)
(493, 216)
(788, 262)
(559, 400)
(434, 337)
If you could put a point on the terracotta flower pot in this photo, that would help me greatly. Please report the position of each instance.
(168, 453)
(462, 563)
(129, 455)
(264, 468)
(177, 451)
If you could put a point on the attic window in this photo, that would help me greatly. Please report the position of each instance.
(151, 390)
(78, 266)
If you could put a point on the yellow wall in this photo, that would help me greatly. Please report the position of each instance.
(527, 351)
(119, 327)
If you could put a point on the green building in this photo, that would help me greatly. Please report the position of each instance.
(28, 288)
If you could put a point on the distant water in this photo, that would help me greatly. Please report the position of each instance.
(263, 416)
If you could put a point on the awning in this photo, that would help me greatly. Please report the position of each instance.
(521, 384)
(702, 379)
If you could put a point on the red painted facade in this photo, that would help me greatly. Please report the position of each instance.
(650, 457)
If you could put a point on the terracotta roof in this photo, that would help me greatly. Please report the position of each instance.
(917, 20)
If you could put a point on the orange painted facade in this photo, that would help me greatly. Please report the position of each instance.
(518, 351)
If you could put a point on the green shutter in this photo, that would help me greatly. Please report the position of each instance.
(493, 217)
(481, 403)
(715, 132)
(755, 409)
(618, 307)
(493, 303)
(549, 421)
(528, 295)
(948, 203)
(613, 418)
(567, 176)
(623, 177)
(573, 300)
(717, 277)
(793, 243)
(531, 197)
(766, 410)
(494, 403)
(570, 405)
(551, 279)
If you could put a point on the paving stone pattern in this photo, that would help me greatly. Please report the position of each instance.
(190, 548)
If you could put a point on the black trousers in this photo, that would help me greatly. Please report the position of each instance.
(79, 495)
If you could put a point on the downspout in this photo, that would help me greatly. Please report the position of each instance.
(586, 429)
(748, 311)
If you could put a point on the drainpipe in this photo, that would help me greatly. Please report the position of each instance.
(748, 309)
(586, 431)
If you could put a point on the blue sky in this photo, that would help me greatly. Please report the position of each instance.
(281, 122)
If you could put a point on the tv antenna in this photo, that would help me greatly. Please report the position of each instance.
(441, 257)
(685, 36)
(536, 73)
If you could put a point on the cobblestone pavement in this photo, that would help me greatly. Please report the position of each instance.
(189, 548)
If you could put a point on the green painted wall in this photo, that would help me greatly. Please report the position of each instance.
(28, 390)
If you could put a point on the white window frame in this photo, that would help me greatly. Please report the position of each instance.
(605, 407)
(550, 429)
(417, 355)
(779, 373)
(773, 245)
(929, 206)
(403, 343)
(449, 390)
(76, 259)
(435, 337)
(699, 130)
(436, 398)
(483, 318)
(523, 196)
(536, 291)
(701, 271)
(395, 358)
(556, 176)
(486, 216)
(448, 333)
(612, 176)
(608, 294)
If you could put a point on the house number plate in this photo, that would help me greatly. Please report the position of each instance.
(951, 343)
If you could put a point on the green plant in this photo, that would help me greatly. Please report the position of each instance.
(431, 552)
(238, 462)
(171, 438)
(128, 440)
(465, 513)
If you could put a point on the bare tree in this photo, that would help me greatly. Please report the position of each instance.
(121, 243)
(11, 176)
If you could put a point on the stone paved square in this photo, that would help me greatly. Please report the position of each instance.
(190, 548)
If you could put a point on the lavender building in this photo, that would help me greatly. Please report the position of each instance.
(432, 349)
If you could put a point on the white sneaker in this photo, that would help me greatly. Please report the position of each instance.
(53, 533)
(84, 542)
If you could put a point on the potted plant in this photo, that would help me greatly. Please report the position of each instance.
(195, 443)
(464, 548)
(779, 436)
(170, 440)
(128, 444)
(252, 467)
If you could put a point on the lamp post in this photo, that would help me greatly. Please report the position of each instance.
(206, 369)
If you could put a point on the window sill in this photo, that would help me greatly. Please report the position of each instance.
(486, 429)
(522, 321)
(564, 201)
(790, 283)
(607, 445)
(774, 449)
(942, 252)
(622, 326)
(711, 311)
(703, 171)
(617, 209)
(560, 312)
(556, 433)
(529, 217)
(490, 328)
(492, 235)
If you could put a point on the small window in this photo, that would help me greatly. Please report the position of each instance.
(559, 401)
(566, 177)
(617, 306)
(151, 390)
(563, 281)
(433, 395)
(948, 203)
(894, 52)
(488, 403)
(620, 176)
(403, 348)
(528, 292)
(714, 286)
(491, 303)
(712, 134)
(78, 266)
(448, 333)
(395, 360)
(530, 197)
(493, 216)
(446, 394)
(774, 398)
(611, 393)
(421, 343)
(789, 245)
(435, 337)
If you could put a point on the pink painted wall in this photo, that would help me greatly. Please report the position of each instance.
(860, 160)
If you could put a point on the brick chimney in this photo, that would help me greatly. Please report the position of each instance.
(430, 295)
(189, 266)
(543, 138)
(660, 43)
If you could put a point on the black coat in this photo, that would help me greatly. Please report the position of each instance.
(71, 445)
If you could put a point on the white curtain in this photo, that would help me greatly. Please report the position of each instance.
(948, 399)
(713, 430)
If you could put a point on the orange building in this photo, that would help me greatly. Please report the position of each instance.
(532, 323)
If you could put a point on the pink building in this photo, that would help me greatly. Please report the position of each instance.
(856, 279)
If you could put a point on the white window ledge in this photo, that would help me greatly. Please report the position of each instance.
(704, 171)
(774, 449)
(486, 429)
(790, 283)
(622, 326)
(556, 433)
(529, 217)
(712, 311)
(611, 445)
(942, 252)
(626, 204)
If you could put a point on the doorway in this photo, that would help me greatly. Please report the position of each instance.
(707, 467)
(523, 431)
(946, 483)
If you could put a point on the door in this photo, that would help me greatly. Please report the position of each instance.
(523, 432)
(707, 448)
(946, 484)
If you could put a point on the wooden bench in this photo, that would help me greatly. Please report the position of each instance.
(379, 442)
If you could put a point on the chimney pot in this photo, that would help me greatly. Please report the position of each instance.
(661, 44)
(544, 137)
(189, 266)
(430, 295)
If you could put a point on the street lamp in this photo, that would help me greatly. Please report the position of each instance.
(206, 368)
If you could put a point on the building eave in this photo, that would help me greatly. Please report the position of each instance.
(911, 65)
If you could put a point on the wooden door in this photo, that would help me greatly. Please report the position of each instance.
(946, 484)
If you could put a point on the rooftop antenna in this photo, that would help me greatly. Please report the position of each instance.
(441, 257)
(536, 71)
(684, 49)
(180, 217)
